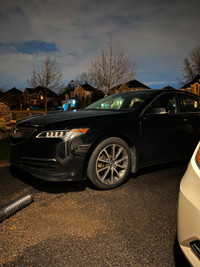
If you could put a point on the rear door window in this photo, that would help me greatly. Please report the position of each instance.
(190, 104)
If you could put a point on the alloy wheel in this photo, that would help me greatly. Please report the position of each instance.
(111, 164)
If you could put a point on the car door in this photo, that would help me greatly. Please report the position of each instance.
(163, 130)
(190, 109)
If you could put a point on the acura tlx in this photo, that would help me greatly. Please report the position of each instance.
(108, 139)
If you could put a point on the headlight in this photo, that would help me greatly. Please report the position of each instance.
(62, 134)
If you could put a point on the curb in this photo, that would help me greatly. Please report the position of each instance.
(4, 164)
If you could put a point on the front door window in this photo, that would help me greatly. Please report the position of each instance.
(167, 102)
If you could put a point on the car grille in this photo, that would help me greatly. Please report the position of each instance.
(195, 246)
(21, 134)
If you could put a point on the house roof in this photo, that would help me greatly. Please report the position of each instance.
(132, 84)
(135, 83)
(196, 80)
(30, 90)
(37, 89)
(12, 97)
(90, 88)
(13, 91)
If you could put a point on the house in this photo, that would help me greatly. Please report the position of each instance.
(193, 87)
(80, 97)
(13, 98)
(86, 91)
(36, 96)
(129, 86)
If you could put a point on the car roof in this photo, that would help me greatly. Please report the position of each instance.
(164, 90)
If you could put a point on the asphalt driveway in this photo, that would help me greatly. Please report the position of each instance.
(72, 224)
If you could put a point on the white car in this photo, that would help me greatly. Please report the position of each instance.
(189, 210)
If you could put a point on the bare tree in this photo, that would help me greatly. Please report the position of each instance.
(191, 65)
(111, 69)
(48, 76)
(84, 78)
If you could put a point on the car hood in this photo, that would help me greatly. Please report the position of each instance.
(58, 117)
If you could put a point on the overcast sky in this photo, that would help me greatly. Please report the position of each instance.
(156, 34)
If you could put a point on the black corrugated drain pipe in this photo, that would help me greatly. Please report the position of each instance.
(15, 206)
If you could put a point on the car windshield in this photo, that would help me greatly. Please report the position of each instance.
(121, 101)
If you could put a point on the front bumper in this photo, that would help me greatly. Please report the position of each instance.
(51, 160)
(189, 213)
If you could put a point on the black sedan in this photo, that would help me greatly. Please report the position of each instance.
(110, 138)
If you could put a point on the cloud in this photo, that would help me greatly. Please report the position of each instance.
(158, 35)
(15, 70)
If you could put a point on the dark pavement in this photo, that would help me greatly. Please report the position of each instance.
(73, 224)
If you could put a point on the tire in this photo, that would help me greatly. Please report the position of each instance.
(109, 164)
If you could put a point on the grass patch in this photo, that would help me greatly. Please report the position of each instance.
(4, 149)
